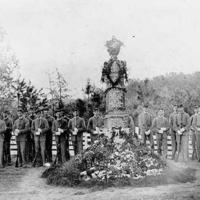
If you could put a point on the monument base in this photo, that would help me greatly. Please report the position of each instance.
(116, 120)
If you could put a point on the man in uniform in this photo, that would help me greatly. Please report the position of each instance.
(2, 133)
(21, 128)
(192, 131)
(7, 138)
(145, 122)
(172, 124)
(160, 126)
(29, 143)
(94, 125)
(182, 124)
(61, 132)
(40, 127)
(49, 135)
(77, 126)
(196, 128)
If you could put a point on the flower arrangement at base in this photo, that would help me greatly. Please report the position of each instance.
(107, 160)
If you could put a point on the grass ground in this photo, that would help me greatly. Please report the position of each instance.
(25, 183)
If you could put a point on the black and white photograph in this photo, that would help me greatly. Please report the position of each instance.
(99, 99)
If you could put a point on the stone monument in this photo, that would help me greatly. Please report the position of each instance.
(114, 74)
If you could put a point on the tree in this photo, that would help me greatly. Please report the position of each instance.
(8, 65)
(28, 96)
(58, 89)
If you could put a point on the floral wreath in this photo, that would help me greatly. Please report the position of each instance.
(106, 71)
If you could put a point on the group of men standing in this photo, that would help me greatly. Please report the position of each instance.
(180, 126)
(34, 132)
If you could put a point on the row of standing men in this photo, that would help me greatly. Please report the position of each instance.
(180, 126)
(34, 133)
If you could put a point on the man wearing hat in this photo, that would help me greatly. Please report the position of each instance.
(145, 123)
(61, 132)
(94, 125)
(50, 119)
(8, 135)
(77, 126)
(193, 135)
(30, 137)
(2, 133)
(21, 128)
(172, 124)
(196, 128)
(40, 127)
(182, 125)
(160, 126)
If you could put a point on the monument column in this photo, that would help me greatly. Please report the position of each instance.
(114, 74)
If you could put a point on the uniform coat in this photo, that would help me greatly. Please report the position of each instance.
(95, 121)
(2, 132)
(158, 123)
(145, 123)
(77, 140)
(49, 138)
(172, 124)
(62, 141)
(182, 121)
(196, 126)
(40, 140)
(22, 124)
(8, 135)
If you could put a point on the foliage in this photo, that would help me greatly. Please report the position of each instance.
(58, 89)
(29, 96)
(163, 92)
(8, 64)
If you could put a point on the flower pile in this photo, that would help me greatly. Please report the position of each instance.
(119, 157)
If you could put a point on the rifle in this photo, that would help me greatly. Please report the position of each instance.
(35, 158)
(17, 159)
(56, 158)
(180, 142)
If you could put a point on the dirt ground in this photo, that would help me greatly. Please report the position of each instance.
(25, 184)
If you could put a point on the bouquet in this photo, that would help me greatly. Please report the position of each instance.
(59, 131)
(75, 131)
(16, 132)
(39, 131)
(97, 131)
(147, 132)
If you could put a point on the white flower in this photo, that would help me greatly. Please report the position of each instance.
(84, 173)
(94, 175)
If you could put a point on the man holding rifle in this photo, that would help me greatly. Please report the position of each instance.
(77, 126)
(49, 135)
(2, 132)
(182, 127)
(160, 126)
(60, 130)
(193, 134)
(95, 124)
(8, 135)
(21, 128)
(172, 124)
(196, 128)
(145, 123)
(40, 127)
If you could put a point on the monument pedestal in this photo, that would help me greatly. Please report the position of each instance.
(116, 115)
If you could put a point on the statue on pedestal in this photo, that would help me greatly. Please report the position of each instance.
(114, 74)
